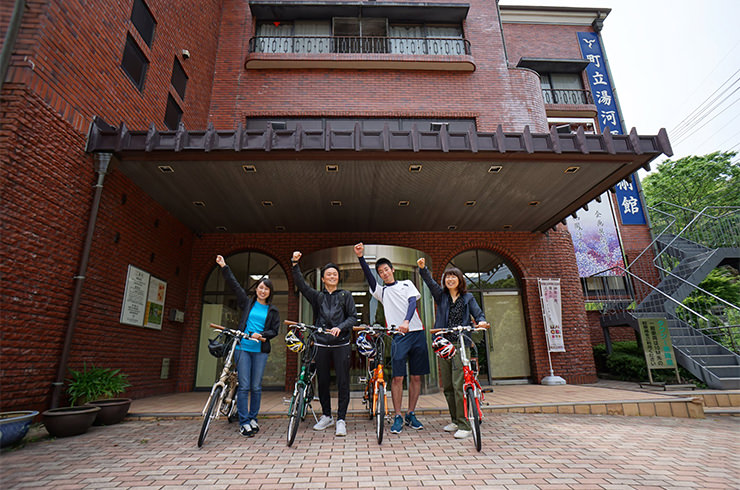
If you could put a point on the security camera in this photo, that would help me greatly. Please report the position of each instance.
(185, 54)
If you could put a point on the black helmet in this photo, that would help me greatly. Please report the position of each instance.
(219, 346)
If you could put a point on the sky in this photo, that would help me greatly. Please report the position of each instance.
(675, 65)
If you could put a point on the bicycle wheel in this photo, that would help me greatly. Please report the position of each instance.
(296, 407)
(211, 414)
(473, 416)
(369, 395)
(380, 414)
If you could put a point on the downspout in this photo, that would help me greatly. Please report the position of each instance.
(102, 162)
(10, 37)
(597, 25)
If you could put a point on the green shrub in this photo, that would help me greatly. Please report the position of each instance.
(95, 383)
(626, 366)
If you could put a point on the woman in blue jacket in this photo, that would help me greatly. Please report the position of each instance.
(455, 306)
(262, 321)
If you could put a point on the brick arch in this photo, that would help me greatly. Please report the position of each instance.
(283, 264)
(493, 247)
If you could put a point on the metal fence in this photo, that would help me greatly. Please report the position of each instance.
(351, 44)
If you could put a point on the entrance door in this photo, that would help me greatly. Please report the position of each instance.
(508, 350)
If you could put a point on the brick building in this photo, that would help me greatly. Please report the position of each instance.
(138, 141)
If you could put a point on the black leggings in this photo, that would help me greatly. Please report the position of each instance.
(324, 357)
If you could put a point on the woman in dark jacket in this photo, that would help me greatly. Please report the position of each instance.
(455, 306)
(262, 321)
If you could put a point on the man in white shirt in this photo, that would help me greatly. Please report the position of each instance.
(399, 304)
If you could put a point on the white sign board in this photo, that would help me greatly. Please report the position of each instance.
(552, 312)
(143, 299)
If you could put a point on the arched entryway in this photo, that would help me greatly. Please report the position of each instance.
(219, 306)
(503, 352)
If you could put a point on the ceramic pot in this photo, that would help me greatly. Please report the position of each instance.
(69, 421)
(14, 426)
(112, 410)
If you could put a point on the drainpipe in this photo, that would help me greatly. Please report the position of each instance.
(10, 37)
(102, 162)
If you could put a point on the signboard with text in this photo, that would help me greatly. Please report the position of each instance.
(143, 299)
(656, 343)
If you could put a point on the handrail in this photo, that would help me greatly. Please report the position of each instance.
(435, 46)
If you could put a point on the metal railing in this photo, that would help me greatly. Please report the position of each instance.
(438, 46)
(567, 96)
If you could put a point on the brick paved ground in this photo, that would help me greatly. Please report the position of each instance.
(522, 450)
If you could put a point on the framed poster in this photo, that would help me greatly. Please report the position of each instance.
(143, 299)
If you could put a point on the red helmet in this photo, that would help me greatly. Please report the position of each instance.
(443, 347)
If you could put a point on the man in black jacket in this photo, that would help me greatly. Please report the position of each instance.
(334, 310)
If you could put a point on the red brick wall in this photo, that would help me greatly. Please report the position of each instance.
(533, 254)
(542, 41)
(486, 93)
(47, 188)
(70, 54)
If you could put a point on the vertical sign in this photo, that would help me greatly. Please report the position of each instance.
(155, 303)
(656, 343)
(552, 313)
(609, 119)
(595, 239)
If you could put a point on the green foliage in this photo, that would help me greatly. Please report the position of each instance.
(95, 383)
(723, 282)
(695, 182)
(627, 363)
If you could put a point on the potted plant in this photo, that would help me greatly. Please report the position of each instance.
(99, 387)
(14, 426)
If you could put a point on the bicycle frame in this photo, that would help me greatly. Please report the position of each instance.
(303, 388)
(470, 377)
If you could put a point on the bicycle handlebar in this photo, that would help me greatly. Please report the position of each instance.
(377, 328)
(235, 333)
(305, 326)
(462, 328)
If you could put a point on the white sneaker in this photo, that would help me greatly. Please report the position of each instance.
(462, 434)
(451, 427)
(324, 422)
(341, 428)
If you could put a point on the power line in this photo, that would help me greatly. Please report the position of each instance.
(702, 110)
(710, 120)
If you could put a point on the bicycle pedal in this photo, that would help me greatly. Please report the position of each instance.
(361, 380)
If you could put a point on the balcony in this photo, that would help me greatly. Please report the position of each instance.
(567, 96)
(404, 53)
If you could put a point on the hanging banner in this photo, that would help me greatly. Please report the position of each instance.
(630, 208)
(552, 313)
(595, 239)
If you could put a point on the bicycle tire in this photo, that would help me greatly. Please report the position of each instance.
(473, 417)
(294, 419)
(369, 394)
(211, 414)
(380, 414)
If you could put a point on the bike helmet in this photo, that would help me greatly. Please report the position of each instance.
(443, 347)
(293, 342)
(365, 345)
(220, 345)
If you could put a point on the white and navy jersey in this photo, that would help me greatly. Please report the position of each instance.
(395, 299)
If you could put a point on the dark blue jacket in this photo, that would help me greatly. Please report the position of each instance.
(443, 300)
(272, 322)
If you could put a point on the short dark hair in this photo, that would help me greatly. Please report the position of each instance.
(461, 285)
(267, 282)
(330, 265)
(382, 261)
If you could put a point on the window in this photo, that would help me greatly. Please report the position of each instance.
(173, 114)
(134, 62)
(179, 79)
(564, 88)
(143, 20)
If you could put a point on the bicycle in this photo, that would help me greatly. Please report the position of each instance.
(472, 391)
(375, 395)
(222, 400)
(303, 393)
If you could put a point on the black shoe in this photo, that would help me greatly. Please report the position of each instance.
(255, 426)
(246, 431)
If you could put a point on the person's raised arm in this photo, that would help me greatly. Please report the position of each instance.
(426, 275)
(308, 292)
(241, 295)
(360, 252)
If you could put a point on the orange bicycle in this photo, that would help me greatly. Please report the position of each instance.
(371, 344)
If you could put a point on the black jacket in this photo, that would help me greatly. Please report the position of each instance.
(443, 302)
(330, 310)
(272, 322)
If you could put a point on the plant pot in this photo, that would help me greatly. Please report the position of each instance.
(112, 410)
(69, 421)
(14, 426)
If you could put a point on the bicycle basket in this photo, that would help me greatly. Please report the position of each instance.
(220, 345)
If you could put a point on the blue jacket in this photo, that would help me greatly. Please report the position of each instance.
(272, 322)
(443, 299)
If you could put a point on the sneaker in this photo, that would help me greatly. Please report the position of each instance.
(324, 422)
(462, 434)
(451, 427)
(255, 426)
(246, 430)
(413, 422)
(341, 428)
(397, 426)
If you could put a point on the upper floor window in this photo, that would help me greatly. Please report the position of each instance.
(179, 78)
(134, 62)
(144, 21)
(359, 35)
(173, 114)
(564, 88)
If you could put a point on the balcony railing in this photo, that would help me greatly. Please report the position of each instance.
(349, 44)
(567, 96)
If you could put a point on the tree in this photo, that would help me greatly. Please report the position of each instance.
(695, 182)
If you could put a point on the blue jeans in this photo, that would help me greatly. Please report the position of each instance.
(250, 367)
